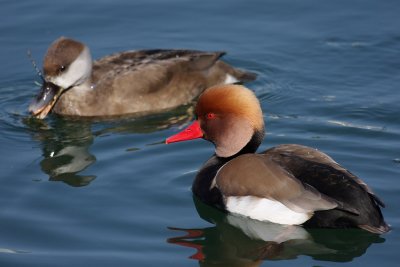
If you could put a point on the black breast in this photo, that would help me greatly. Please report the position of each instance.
(202, 183)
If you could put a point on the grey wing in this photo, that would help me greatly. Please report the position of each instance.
(255, 175)
(313, 155)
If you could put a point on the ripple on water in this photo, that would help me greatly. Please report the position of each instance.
(359, 126)
(335, 42)
(12, 251)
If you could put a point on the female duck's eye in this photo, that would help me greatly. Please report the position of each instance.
(62, 68)
(210, 116)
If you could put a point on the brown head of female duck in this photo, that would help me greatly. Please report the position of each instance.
(131, 82)
(287, 184)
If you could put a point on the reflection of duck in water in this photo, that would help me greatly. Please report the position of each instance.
(287, 184)
(139, 82)
(239, 241)
(66, 164)
(66, 142)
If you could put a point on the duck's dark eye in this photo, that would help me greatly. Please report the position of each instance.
(62, 68)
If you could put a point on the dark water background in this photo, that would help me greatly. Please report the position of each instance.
(110, 193)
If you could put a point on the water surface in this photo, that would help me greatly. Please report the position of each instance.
(110, 193)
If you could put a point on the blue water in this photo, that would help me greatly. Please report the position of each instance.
(110, 193)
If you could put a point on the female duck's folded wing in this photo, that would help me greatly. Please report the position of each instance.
(156, 79)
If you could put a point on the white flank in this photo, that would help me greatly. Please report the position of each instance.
(229, 79)
(263, 209)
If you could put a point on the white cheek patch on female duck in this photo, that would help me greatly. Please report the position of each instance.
(77, 73)
(264, 209)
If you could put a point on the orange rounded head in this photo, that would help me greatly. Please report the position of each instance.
(228, 116)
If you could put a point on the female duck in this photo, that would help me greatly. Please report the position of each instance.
(287, 184)
(138, 82)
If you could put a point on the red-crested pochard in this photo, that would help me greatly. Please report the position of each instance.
(132, 82)
(287, 184)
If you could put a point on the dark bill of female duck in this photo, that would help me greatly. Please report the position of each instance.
(45, 100)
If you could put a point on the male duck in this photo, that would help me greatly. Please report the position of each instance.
(287, 184)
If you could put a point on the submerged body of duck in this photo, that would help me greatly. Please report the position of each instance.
(140, 82)
(287, 184)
